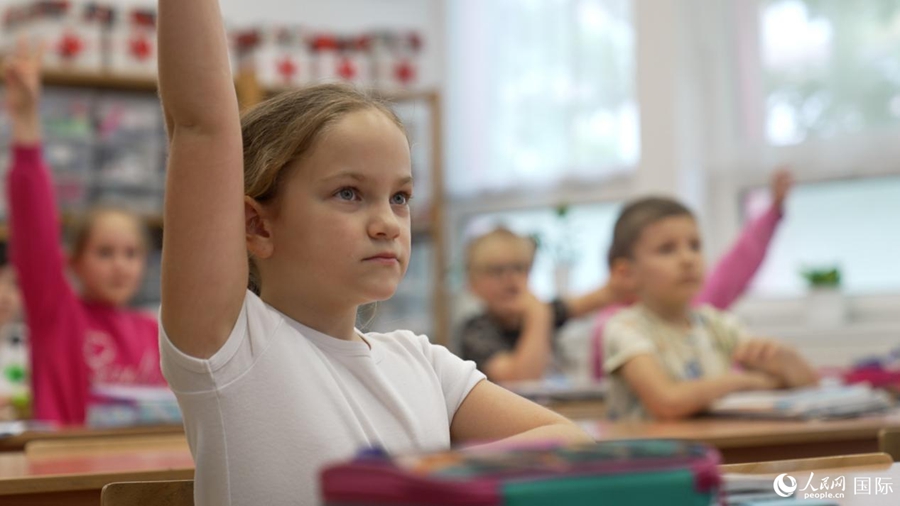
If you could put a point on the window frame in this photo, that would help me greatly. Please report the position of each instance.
(872, 153)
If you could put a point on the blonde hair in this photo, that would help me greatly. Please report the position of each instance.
(498, 233)
(80, 231)
(284, 129)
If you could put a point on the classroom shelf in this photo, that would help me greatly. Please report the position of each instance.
(100, 81)
(118, 82)
(250, 92)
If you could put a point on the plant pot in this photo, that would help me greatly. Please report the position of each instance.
(561, 279)
(826, 308)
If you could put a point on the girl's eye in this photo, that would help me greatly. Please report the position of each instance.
(346, 194)
(400, 199)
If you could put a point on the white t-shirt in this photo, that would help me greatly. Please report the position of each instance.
(279, 401)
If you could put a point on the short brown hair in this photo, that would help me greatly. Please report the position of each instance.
(635, 217)
(497, 233)
(283, 129)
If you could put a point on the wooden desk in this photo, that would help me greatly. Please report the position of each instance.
(17, 443)
(581, 409)
(888, 474)
(758, 440)
(76, 476)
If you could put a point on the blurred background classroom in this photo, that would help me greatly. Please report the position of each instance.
(543, 116)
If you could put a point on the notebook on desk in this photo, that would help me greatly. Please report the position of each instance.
(559, 389)
(129, 405)
(14, 428)
(806, 403)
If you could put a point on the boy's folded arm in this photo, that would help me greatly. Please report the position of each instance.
(796, 371)
(777, 359)
(667, 399)
(204, 273)
(492, 413)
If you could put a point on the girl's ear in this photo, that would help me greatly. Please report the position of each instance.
(259, 231)
(622, 276)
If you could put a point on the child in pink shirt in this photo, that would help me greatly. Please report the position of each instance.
(77, 341)
(731, 275)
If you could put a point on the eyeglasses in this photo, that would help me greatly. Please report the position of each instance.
(501, 270)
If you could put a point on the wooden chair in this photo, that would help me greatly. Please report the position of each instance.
(796, 465)
(889, 442)
(148, 493)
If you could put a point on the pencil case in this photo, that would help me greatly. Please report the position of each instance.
(675, 473)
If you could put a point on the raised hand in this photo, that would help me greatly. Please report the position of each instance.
(529, 306)
(782, 182)
(22, 74)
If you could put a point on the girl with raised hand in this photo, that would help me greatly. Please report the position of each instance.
(279, 226)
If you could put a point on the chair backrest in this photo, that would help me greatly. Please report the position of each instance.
(148, 493)
(889, 442)
(797, 465)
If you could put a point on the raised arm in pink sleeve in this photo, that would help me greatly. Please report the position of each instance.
(734, 272)
(59, 372)
(35, 235)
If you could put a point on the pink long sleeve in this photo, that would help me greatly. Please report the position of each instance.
(35, 235)
(733, 273)
(75, 344)
(59, 374)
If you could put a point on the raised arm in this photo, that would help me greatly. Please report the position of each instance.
(733, 273)
(36, 248)
(204, 262)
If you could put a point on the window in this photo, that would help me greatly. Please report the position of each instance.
(829, 67)
(849, 224)
(540, 91)
(579, 240)
(820, 92)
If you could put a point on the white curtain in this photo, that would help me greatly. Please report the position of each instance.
(540, 92)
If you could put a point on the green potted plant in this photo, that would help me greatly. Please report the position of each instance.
(826, 306)
(564, 251)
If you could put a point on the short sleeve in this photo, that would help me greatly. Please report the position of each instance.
(457, 376)
(726, 330)
(248, 339)
(622, 341)
(481, 340)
